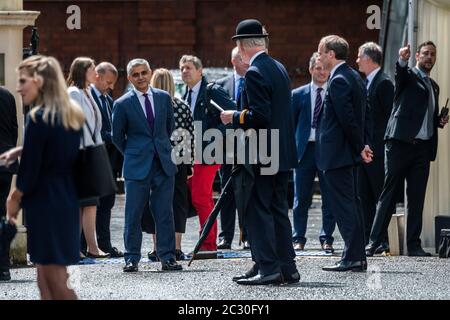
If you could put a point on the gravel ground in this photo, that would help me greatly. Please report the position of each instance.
(400, 278)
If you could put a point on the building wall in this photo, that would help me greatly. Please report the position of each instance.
(162, 31)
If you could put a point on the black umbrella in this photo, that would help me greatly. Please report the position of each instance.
(240, 183)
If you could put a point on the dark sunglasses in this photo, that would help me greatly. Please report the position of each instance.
(137, 74)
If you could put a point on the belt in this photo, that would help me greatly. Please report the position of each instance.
(419, 141)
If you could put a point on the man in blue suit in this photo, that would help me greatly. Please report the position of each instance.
(307, 102)
(268, 107)
(233, 85)
(104, 82)
(341, 146)
(143, 122)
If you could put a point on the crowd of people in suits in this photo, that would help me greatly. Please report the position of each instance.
(361, 138)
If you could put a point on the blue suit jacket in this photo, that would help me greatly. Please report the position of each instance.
(136, 141)
(340, 134)
(301, 107)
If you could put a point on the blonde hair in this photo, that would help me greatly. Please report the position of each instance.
(163, 79)
(52, 96)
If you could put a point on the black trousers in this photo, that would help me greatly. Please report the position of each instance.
(228, 211)
(341, 186)
(103, 222)
(269, 227)
(369, 190)
(410, 161)
(5, 187)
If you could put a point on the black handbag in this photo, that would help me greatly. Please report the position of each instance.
(93, 174)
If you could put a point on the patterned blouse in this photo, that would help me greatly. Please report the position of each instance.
(184, 129)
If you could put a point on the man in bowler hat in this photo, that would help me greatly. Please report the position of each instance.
(267, 106)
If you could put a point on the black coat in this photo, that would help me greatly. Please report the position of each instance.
(8, 125)
(267, 98)
(410, 106)
(341, 133)
(380, 101)
(207, 115)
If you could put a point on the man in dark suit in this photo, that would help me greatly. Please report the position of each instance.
(143, 122)
(411, 144)
(307, 102)
(104, 82)
(198, 93)
(341, 146)
(8, 140)
(380, 92)
(233, 85)
(268, 108)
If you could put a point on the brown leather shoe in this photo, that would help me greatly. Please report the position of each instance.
(299, 246)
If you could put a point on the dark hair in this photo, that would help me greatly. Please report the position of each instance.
(424, 44)
(77, 73)
(373, 51)
(337, 44)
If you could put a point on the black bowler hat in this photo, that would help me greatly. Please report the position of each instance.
(249, 28)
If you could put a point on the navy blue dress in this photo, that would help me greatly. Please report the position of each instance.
(50, 201)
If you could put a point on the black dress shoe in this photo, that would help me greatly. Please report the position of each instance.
(152, 256)
(262, 280)
(419, 252)
(357, 266)
(371, 248)
(249, 274)
(115, 253)
(5, 275)
(224, 245)
(383, 247)
(246, 245)
(291, 278)
(179, 255)
(171, 265)
(131, 267)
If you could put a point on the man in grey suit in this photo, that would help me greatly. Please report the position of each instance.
(143, 122)
(380, 92)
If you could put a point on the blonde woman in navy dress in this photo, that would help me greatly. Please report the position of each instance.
(45, 186)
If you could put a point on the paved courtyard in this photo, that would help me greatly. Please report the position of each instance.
(387, 277)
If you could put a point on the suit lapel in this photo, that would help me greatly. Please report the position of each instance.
(374, 83)
(138, 108)
(307, 105)
(157, 109)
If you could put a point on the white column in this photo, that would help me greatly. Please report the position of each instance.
(12, 22)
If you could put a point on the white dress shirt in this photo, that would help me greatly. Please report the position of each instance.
(371, 76)
(256, 55)
(141, 98)
(335, 68)
(312, 135)
(194, 95)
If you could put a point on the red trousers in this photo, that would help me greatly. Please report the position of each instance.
(201, 187)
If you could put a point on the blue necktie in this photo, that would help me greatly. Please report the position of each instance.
(149, 111)
(239, 89)
(317, 107)
(105, 107)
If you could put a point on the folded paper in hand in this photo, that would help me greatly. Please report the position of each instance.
(215, 105)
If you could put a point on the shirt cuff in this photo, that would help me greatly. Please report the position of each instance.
(402, 63)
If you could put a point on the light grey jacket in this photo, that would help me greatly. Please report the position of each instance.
(91, 112)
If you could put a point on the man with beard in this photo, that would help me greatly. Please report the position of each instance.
(411, 143)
